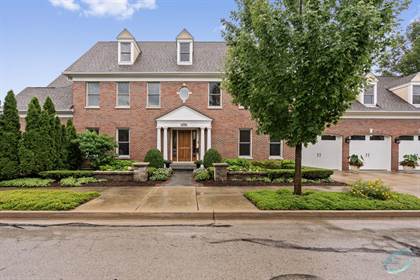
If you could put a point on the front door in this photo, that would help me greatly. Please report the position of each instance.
(184, 145)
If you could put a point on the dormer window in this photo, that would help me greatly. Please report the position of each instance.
(125, 52)
(369, 95)
(184, 46)
(416, 95)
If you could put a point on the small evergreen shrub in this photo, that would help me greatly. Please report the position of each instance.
(161, 174)
(238, 163)
(410, 160)
(371, 189)
(268, 164)
(210, 157)
(154, 158)
(27, 183)
(77, 182)
(60, 174)
(202, 175)
(287, 164)
(355, 160)
(307, 173)
(98, 149)
(117, 165)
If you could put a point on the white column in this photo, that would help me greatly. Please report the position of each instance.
(165, 143)
(202, 143)
(208, 138)
(158, 136)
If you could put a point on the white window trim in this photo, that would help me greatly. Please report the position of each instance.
(131, 53)
(281, 150)
(411, 93)
(250, 143)
(118, 143)
(147, 98)
(178, 52)
(117, 95)
(375, 94)
(87, 106)
(208, 97)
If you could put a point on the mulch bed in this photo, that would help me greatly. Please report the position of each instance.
(257, 184)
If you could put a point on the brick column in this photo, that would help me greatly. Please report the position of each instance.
(345, 154)
(395, 148)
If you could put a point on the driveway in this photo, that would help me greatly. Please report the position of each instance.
(399, 182)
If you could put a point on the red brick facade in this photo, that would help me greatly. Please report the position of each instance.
(225, 126)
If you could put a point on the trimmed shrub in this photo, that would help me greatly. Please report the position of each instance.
(99, 149)
(210, 157)
(154, 158)
(268, 164)
(202, 175)
(371, 189)
(161, 174)
(117, 165)
(287, 164)
(307, 173)
(242, 163)
(27, 183)
(281, 173)
(60, 174)
(77, 182)
(9, 138)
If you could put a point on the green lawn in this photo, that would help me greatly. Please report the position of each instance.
(43, 199)
(317, 200)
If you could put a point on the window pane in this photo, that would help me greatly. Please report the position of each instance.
(416, 90)
(125, 57)
(244, 149)
(153, 100)
(370, 90)
(368, 99)
(214, 88)
(377, 138)
(184, 47)
(185, 57)
(275, 149)
(245, 136)
(123, 88)
(123, 135)
(358, 137)
(214, 100)
(123, 149)
(123, 100)
(153, 88)
(126, 47)
(406, 138)
(93, 88)
(93, 100)
(416, 99)
(328, 137)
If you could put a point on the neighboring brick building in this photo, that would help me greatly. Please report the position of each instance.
(167, 95)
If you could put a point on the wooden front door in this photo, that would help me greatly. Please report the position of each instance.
(184, 145)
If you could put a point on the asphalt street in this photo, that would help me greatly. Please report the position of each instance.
(333, 249)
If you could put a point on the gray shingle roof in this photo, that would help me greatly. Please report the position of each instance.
(61, 96)
(155, 57)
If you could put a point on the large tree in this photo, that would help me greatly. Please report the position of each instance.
(9, 138)
(297, 65)
(403, 56)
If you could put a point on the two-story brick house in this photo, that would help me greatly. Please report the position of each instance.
(167, 94)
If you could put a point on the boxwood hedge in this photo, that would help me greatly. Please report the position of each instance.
(60, 174)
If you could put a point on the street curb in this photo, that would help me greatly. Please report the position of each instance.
(260, 215)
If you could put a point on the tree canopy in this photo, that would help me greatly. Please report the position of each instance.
(298, 65)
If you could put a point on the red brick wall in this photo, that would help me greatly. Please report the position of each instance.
(225, 126)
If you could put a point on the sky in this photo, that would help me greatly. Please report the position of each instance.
(41, 38)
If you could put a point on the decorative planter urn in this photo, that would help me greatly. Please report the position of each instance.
(408, 168)
(354, 168)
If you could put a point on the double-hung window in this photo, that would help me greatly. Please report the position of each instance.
(369, 95)
(92, 94)
(215, 95)
(93, 129)
(153, 95)
(245, 143)
(123, 94)
(123, 137)
(275, 147)
(185, 52)
(125, 52)
(416, 94)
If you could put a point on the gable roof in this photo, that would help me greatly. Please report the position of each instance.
(184, 113)
(156, 57)
(62, 97)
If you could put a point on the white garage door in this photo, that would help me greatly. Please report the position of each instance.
(326, 153)
(408, 145)
(375, 150)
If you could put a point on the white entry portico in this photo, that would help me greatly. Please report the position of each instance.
(176, 125)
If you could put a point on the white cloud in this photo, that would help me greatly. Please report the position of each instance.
(114, 8)
(66, 4)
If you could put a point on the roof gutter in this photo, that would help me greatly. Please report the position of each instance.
(381, 115)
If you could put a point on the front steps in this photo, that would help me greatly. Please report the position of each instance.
(183, 165)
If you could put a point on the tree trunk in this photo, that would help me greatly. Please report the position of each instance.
(297, 183)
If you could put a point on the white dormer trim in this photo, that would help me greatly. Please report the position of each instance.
(178, 52)
(370, 80)
(131, 52)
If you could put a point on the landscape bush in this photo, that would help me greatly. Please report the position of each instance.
(202, 174)
(371, 189)
(60, 174)
(77, 182)
(117, 165)
(154, 158)
(27, 183)
(268, 164)
(238, 163)
(98, 149)
(210, 157)
(160, 174)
